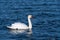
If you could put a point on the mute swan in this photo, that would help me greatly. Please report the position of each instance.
(19, 25)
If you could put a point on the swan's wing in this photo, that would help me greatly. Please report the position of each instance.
(19, 25)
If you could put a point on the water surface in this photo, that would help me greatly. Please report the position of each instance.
(45, 21)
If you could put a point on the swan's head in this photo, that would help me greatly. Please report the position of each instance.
(29, 16)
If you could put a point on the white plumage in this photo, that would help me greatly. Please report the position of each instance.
(18, 25)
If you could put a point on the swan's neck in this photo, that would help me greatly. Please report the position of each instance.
(30, 24)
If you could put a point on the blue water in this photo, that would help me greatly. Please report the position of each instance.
(45, 21)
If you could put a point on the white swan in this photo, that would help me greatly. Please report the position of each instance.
(19, 25)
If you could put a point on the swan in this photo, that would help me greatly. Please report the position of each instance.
(18, 25)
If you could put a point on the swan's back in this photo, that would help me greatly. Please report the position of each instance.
(19, 25)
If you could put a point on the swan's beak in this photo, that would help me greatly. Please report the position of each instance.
(32, 17)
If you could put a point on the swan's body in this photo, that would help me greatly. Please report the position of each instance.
(19, 25)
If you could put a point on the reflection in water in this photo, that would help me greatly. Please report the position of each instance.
(21, 31)
(20, 34)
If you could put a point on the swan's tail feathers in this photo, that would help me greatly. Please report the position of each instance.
(8, 27)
